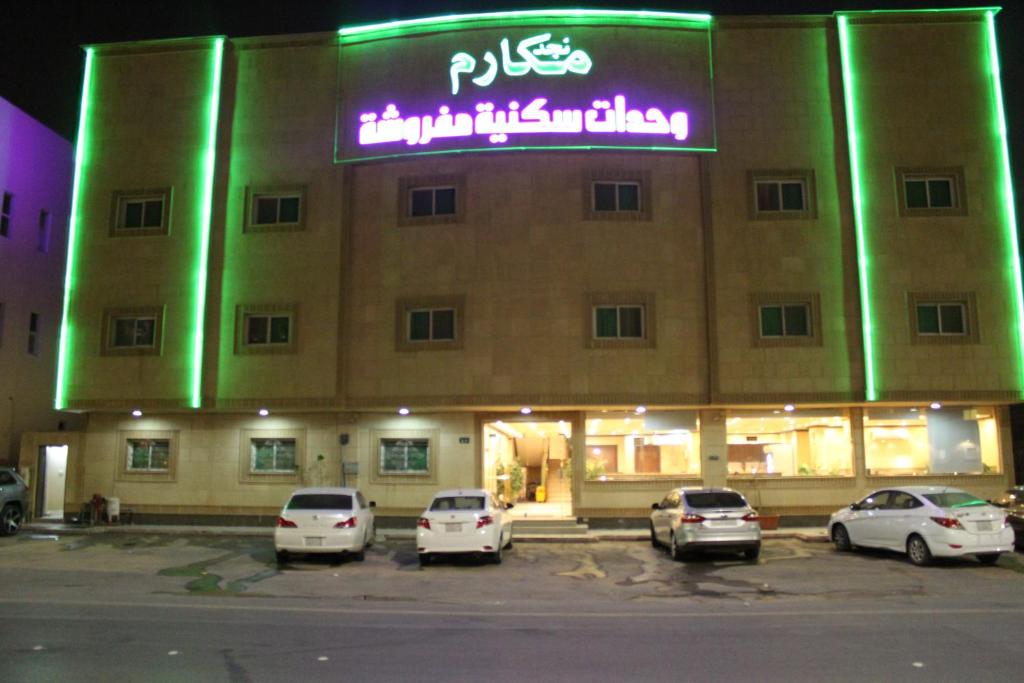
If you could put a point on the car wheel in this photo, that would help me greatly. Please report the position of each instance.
(424, 559)
(918, 552)
(282, 558)
(989, 558)
(508, 544)
(372, 538)
(752, 553)
(841, 538)
(360, 555)
(677, 553)
(654, 538)
(496, 555)
(10, 520)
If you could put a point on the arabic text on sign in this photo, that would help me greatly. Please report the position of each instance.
(536, 55)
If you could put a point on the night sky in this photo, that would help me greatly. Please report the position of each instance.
(41, 58)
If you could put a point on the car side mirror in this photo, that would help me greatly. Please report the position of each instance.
(373, 504)
(655, 506)
(855, 506)
(509, 506)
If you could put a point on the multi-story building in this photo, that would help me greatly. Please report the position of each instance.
(580, 256)
(35, 182)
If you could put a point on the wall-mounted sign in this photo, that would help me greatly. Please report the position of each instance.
(569, 85)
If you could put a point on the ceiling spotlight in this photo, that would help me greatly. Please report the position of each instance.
(935, 405)
(789, 407)
(640, 410)
(525, 411)
(264, 412)
(403, 411)
(136, 413)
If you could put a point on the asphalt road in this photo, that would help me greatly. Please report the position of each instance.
(214, 609)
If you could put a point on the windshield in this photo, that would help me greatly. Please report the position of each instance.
(320, 501)
(954, 499)
(458, 503)
(715, 499)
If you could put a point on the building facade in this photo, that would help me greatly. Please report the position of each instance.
(578, 257)
(35, 180)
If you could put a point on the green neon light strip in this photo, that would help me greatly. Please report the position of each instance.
(447, 22)
(401, 155)
(1007, 188)
(863, 265)
(64, 345)
(209, 161)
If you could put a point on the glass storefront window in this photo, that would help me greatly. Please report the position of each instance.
(625, 445)
(801, 443)
(921, 440)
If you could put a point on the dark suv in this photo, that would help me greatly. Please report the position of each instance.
(12, 501)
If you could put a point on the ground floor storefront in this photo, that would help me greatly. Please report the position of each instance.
(600, 465)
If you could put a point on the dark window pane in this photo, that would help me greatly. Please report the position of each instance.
(631, 322)
(940, 193)
(457, 503)
(133, 215)
(284, 455)
(145, 331)
(771, 321)
(715, 499)
(7, 202)
(320, 501)
(606, 322)
(629, 197)
(422, 203)
(419, 326)
(443, 325)
(604, 196)
(796, 321)
(289, 210)
(444, 201)
(917, 194)
(928, 319)
(793, 196)
(266, 210)
(160, 454)
(279, 329)
(767, 196)
(952, 319)
(138, 455)
(124, 332)
(154, 216)
(256, 330)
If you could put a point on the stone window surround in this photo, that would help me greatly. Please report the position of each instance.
(107, 347)
(403, 307)
(254, 191)
(120, 196)
(124, 474)
(954, 173)
(970, 304)
(810, 299)
(407, 184)
(643, 178)
(592, 300)
(805, 175)
(242, 310)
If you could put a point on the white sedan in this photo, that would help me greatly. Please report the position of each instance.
(924, 522)
(324, 520)
(464, 521)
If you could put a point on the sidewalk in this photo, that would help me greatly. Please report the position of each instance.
(806, 534)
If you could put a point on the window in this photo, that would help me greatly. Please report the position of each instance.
(624, 446)
(43, 237)
(801, 443)
(781, 195)
(431, 199)
(404, 456)
(931, 192)
(1, 324)
(429, 323)
(942, 318)
(616, 196)
(432, 325)
(133, 330)
(33, 333)
(139, 213)
(267, 329)
(619, 322)
(5, 214)
(785, 320)
(446, 503)
(919, 440)
(275, 209)
(272, 456)
(320, 501)
(149, 455)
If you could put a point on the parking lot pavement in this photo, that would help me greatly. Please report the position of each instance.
(138, 567)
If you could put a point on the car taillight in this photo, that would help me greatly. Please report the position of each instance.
(751, 517)
(948, 522)
(484, 521)
(349, 523)
(423, 523)
(1006, 521)
(286, 523)
(691, 519)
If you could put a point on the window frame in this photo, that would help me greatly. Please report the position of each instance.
(595, 300)
(108, 332)
(406, 187)
(783, 308)
(275, 442)
(126, 473)
(246, 473)
(428, 477)
(810, 300)
(245, 312)
(122, 198)
(805, 176)
(618, 176)
(254, 193)
(969, 305)
(955, 176)
(404, 308)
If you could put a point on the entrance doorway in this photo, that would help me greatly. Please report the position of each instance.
(51, 480)
(529, 464)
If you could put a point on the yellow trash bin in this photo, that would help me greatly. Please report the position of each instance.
(542, 493)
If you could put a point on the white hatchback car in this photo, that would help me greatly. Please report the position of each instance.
(325, 520)
(464, 521)
(924, 522)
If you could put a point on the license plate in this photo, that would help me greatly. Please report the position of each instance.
(314, 541)
(453, 527)
(721, 522)
(984, 526)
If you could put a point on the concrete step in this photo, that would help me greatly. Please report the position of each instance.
(549, 527)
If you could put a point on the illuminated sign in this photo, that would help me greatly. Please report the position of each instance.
(576, 83)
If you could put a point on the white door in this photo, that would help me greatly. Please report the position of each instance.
(54, 481)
